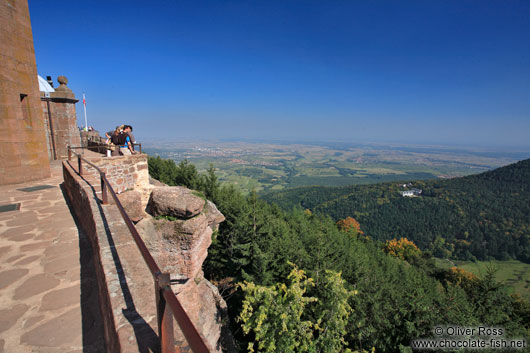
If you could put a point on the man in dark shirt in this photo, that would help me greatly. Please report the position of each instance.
(127, 147)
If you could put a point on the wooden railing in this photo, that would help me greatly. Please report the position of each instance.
(167, 303)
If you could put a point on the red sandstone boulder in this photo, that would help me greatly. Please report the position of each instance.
(183, 253)
(155, 182)
(179, 247)
(213, 215)
(208, 311)
(192, 226)
(132, 203)
(175, 201)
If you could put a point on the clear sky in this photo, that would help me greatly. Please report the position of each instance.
(423, 71)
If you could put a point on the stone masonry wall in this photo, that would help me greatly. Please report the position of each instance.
(83, 205)
(126, 290)
(123, 172)
(23, 151)
(64, 125)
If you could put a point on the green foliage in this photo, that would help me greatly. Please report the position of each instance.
(284, 318)
(210, 183)
(482, 216)
(185, 173)
(396, 300)
(513, 273)
(166, 217)
(163, 170)
(274, 315)
(332, 311)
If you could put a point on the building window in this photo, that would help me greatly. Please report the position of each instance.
(26, 113)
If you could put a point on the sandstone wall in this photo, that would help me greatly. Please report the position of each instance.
(83, 204)
(89, 136)
(23, 150)
(62, 130)
(123, 172)
(126, 285)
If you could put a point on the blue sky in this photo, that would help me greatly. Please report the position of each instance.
(453, 72)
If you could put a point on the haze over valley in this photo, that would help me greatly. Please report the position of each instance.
(274, 165)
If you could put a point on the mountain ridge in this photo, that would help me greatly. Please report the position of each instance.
(482, 216)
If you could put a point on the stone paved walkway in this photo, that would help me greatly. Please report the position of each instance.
(47, 300)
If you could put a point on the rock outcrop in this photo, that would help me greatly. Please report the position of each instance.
(132, 204)
(213, 215)
(178, 236)
(175, 201)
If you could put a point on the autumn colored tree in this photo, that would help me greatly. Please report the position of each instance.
(350, 225)
(462, 278)
(403, 249)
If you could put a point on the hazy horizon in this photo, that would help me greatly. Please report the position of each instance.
(153, 140)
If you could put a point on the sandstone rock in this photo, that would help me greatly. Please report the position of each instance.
(132, 203)
(147, 231)
(208, 311)
(214, 216)
(155, 182)
(181, 246)
(175, 201)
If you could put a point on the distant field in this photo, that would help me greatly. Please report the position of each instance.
(514, 274)
(265, 167)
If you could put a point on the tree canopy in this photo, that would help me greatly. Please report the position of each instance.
(298, 282)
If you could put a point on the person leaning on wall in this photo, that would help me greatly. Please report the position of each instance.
(114, 138)
(126, 145)
(128, 129)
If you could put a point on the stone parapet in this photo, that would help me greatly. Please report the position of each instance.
(125, 285)
(90, 138)
(122, 172)
(127, 299)
(84, 205)
(61, 126)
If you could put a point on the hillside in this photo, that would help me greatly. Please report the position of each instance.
(480, 216)
(292, 269)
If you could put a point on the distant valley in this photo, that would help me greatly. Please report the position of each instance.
(473, 207)
(268, 166)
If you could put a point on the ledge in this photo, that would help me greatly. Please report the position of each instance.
(127, 306)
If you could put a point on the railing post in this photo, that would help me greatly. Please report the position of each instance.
(103, 189)
(164, 314)
(69, 153)
(140, 148)
(80, 165)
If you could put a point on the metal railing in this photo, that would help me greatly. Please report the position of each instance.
(167, 303)
(103, 142)
(104, 145)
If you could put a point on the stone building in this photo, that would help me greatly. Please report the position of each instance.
(58, 107)
(23, 150)
(37, 121)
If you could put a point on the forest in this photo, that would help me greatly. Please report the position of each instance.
(484, 216)
(298, 281)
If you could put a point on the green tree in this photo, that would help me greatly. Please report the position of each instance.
(188, 176)
(210, 183)
(285, 318)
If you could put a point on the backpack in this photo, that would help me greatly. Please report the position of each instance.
(119, 140)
